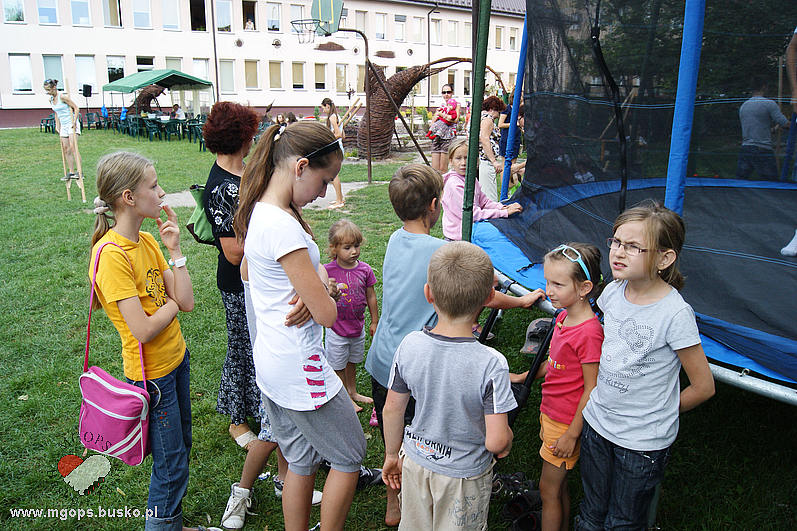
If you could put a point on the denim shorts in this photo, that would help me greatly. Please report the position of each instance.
(619, 483)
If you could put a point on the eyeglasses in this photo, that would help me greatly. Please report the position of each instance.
(630, 248)
(448, 92)
(574, 256)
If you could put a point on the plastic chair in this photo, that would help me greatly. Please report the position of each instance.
(92, 118)
(152, 129)
(173, 128)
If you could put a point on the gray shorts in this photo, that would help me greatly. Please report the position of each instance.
(341, 351)
(332, 432)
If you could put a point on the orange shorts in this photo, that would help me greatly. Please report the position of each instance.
(550, 431)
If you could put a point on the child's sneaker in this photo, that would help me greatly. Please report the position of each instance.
(237, 507)
(369, 477)
(279, 484)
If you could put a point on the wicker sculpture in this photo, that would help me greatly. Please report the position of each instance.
(143, 102)
(399, 85)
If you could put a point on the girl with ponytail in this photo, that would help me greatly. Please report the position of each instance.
(310, 412)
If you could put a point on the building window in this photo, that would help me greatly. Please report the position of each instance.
(141, 18)
(250, 15)
(20, 72)
(344, 14)
(434, 81)
(48, 13)
(275, 74)
(453, 33)
(198, 15)
(14, 11)
(112, 13)
(452, 75)
(174, 63)
(224, 15)
(273, 16)
(171, 14)
(417, 29)
(201, 68)
(467, 34)
(361, 79)
(466, 83)
(400, 27)
(381, 26)
(499, 37)
(298, 75)
(513, 39)
(512, 76)
(226, 76)
(53, 69)
(360, 22)
(436, 30)
(85, 72)
(341, 77)
(320, 76)
(116, 67)
(297, 12)
(143, 64)
(80, 13)
(250, 72)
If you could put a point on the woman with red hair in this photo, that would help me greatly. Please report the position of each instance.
(229, 131)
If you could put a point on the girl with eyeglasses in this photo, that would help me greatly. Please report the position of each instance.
(444, 128)
(573, 281)
(631, 419)
(310, 412)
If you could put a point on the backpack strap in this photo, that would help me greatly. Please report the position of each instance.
(91, 303)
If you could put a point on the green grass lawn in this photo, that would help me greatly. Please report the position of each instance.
(733, 465)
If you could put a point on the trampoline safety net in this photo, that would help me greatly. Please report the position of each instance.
(598, 140)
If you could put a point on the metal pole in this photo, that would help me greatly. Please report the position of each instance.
(215, 53)
(429, 56)
(479, 63)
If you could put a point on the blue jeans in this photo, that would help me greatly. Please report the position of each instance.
(170, 443)
(618, 483)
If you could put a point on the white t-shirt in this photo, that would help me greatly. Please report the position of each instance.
(635, 402)
(289, 361)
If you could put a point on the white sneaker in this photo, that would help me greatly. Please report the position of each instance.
(237, 507)
(279, 484)
(791, 247)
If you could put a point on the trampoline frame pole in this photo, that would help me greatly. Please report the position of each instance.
(513, 128)
(694, 14)
(479, 64)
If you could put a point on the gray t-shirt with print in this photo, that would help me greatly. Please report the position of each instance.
(635, 403)
(455, 383)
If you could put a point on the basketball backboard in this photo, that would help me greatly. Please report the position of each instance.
(327, 12)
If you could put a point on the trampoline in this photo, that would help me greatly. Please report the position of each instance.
(596, 146)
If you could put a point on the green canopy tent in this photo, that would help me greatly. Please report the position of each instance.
(167, 78)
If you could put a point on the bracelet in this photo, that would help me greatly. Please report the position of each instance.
(180, 262)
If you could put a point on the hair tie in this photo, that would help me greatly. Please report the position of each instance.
(279, 133)
(100, 206)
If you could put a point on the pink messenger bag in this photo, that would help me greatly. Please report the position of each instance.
(114, 415)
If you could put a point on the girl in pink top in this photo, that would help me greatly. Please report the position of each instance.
(454, 191)
(573, 279)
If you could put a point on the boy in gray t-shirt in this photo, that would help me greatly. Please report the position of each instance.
(462, 395)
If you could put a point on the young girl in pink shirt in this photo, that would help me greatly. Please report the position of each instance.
(454, 191)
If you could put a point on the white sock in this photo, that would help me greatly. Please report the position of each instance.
(791, 247)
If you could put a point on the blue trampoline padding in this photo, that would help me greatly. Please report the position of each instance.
(509, 260)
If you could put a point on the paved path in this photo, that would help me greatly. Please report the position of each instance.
(185, 199)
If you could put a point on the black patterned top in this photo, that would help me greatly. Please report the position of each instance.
(221, 201)
(494, 138)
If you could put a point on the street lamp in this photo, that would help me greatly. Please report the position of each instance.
(429, 54)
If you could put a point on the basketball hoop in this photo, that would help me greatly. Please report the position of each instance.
(307, 28)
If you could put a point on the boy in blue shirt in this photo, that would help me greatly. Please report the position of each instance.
(446, 471)
(415, 192)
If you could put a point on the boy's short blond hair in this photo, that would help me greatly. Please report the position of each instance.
(460, 277)
(412, 189)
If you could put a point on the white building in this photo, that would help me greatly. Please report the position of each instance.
(92, 42)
